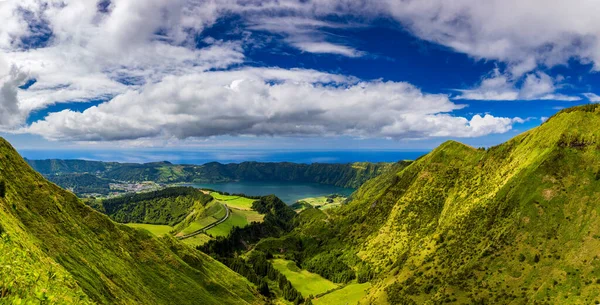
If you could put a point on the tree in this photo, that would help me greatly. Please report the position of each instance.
(2, 189)
(263, 288)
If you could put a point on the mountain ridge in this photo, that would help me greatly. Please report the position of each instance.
(110, 263)
(72, 173)
(516, 223)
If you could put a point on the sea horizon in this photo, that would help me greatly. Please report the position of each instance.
(225, 156)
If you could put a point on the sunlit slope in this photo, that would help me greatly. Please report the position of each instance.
(517, 223)
(111, 263)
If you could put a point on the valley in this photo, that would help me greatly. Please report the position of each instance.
(299, 152)
(292, 181)
(460, 226)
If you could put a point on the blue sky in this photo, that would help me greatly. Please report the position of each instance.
(326, 75)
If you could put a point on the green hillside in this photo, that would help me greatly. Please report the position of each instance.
(55, 247)
(75, 174)
(514, 224)
(169, 206)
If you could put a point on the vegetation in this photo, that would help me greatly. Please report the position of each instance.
(165, 207)
(157, 230)
(305, 282)
(76, 174)
(349, 294)
(241, 202)
(321, 202)
(517, 223)
(82, 184)
(55, 249)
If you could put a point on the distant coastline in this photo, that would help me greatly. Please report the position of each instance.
(226, 156)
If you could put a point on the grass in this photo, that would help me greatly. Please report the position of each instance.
(236, 219)
(238, 202)
(322, 203)
(350, 294)
(197, 240)
(305, 282)
(68, 249)
(213, 211)
(251, 216)
(157, 230)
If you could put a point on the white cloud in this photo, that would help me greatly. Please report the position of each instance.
(99, 55)
(268, 102)
(306, 34)
(502, 87)
(326, 47)
(10, 79)
(592, 97)
(523, 34)
(143, 53)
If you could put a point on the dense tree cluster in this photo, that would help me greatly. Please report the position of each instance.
(278, 220)
(168, 206)
(258, 270)
(82, 183)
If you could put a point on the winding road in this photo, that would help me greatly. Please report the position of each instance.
(210, 226)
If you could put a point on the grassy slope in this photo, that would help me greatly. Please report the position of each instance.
(237, 202)
(157, 230)
(111, 263)
(516, 223)
(349, 294)
(305, 282)
(236, 219)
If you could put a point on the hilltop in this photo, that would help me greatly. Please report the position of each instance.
(55, 248)
(516, 223)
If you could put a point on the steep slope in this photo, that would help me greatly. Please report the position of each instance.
(514, 224)
(517, 223)
(72, 249)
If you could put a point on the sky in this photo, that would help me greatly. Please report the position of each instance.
(115, 77)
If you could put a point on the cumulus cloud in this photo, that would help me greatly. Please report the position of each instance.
(524, 35)
(97, 54)
(142, 57)
(502, 86)
(10, 79)
(268, 102)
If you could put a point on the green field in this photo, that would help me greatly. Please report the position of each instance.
(251, 216)
(197, 240)
(305, 282)
(214, 211)
(323, 202)
(236, 219)
(157, 230)
(350, 294)
(237, 202)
